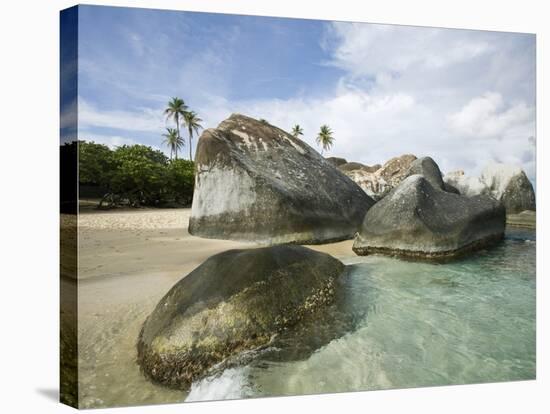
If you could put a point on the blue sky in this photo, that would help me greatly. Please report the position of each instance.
(464, 97)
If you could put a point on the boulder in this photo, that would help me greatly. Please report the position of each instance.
(235, 301)
(416, 220)
(352, 166)
(509, 184)
(336, 161)
(396, 169)
(428, 168)
(468, 186)
(504, 182)
(255, 182)
(377, 180)
(371, 182)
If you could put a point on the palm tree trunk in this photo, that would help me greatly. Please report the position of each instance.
(178, 130)
(190, 145)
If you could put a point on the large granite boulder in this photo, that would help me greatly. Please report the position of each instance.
(504, 182)
(235, 301)
(428, 168)
(417, 220)
(256, 182)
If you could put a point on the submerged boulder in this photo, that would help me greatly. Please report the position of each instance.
(256, 182)
(504, 182)
(419, 221)
(235, 301)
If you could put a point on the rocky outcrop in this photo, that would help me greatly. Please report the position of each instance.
(417, 220)
(467, 186)
(235, 301)
(256, 182)
(396, 169)
(378, 180)
(336, 161)
(504, 182)
(510, 185)
(352, 166)
(371, 182)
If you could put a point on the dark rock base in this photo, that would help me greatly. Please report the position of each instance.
(441, 256)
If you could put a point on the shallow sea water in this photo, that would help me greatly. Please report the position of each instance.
(406, 324)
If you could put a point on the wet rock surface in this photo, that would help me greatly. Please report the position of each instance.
(235, 301)
(417, 220)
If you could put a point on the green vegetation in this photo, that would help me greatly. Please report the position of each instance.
(173, 141)
(179, 111)
(135, 175)
(297, 131)
(325, 138)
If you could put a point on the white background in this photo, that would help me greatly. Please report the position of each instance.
(29, 96)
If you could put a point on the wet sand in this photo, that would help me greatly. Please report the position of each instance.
(127, 261)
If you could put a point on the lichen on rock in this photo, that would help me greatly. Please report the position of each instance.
(235, 301)
(256, 182)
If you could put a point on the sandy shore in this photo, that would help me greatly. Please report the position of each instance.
(127, 261)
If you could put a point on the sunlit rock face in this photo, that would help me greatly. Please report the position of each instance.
(418, 220)
(256, 182)
(235, 301)
(504, 182)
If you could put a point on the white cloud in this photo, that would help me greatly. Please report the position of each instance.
(371, 49)
(142, 119)
(487, 116)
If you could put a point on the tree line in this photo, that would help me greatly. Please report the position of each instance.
(135, 176)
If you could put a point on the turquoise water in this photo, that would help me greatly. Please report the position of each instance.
(398, 324)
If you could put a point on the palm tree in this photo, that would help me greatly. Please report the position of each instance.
(192, 121)
(173, 141)
(176, 109)
(325, 138)
(297, 131)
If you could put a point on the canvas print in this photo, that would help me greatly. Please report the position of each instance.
(257, 206)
